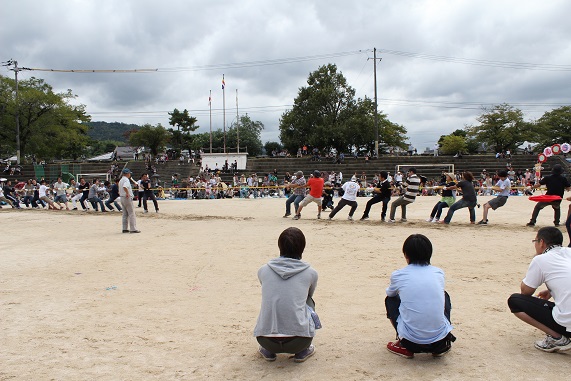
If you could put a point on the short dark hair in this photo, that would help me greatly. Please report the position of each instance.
(468, 176)
(557, 169)
(291, 243)
(550, 235)
(412, 169)
(384, 174)
(418, 249)
(503, 173)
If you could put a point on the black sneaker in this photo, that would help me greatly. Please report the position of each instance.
(267, 355)
(530, 224)
(287, 215)
(305, 354)
(483, 222)
(364, 218)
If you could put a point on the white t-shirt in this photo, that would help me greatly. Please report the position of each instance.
(125, 182)
(60, 188)
(554, 269)
(504, 185)
(350, 188)
(42, 190)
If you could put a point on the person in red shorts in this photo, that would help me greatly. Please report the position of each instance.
(315, 185)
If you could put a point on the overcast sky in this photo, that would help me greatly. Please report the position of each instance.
(441, 60)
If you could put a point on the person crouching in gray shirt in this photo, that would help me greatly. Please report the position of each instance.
(285, 323)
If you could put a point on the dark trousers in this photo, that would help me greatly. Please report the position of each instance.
(392, 305)
(556, 205)
(568, 227)
(538, 309)
(437, 210)
(112, 200)
(82, 200)
(150, 195)
(30, 200)
(340, 206)
(14, 200)
(293, 344)
(459, 205)
(140, 197)
(376, 199)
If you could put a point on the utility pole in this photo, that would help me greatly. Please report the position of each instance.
(16, 69)
(376, 103)
(237, 123)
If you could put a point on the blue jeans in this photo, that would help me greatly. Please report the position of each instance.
(96, 200)
(296, 199)
(114, 201)
(437, 210)
(459, 205)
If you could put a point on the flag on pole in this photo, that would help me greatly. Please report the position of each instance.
(223, 83)
(210, 100)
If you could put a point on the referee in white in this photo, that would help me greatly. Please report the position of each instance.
(126, 193)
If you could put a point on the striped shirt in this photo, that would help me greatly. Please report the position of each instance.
(412, 186)
(300, 182)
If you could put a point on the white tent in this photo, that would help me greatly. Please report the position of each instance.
(105, 157)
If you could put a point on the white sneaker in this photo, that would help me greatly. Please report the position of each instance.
(350, 218)
(550, 344)
(435, 220)
(391, 221)
(429, 219)
(403, 220)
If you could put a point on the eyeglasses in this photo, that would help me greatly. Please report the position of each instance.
(535, 240)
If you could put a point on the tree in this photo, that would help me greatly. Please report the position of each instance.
(501, 127)
(271, 147)
(155, 138)
(50, 127)
(185, 124)
(554, 126)
(326, 115)
(250, 135)
(320, 112)
(452, 144)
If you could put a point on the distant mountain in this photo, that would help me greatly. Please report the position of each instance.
(110, 131)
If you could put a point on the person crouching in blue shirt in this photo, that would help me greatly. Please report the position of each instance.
(417, 304)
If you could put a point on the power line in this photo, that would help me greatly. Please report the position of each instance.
(239, 65)
(478, 62)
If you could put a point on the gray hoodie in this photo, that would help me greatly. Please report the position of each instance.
(286, 285)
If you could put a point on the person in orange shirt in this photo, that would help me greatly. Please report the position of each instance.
(315, 185)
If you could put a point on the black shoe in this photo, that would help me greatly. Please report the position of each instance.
(134, 231)
(125, 231)
(364, 218)
(483, 222)
(530, 224)
(556, 224)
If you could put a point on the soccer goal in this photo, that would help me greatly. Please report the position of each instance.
(91, 176)
(428, 170)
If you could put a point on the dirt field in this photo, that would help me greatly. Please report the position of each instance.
(80, 301)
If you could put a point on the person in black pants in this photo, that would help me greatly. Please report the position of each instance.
(84, 189)
(556, 185)
(382, 194)
(148, 193)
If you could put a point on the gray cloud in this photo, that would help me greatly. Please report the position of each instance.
(105, 34)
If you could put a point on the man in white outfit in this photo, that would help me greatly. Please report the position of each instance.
(126, 193)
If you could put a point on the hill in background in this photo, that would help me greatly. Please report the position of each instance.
(110, 131)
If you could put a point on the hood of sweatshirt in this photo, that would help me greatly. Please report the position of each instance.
(287, 267)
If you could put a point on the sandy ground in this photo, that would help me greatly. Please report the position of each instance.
(80, 301)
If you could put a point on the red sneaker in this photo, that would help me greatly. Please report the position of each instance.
(397, 349)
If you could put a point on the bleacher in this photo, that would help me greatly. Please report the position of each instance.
(428, 166)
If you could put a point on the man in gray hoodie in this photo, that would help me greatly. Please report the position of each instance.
(285, 323)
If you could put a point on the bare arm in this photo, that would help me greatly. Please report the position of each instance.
(526, 290)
